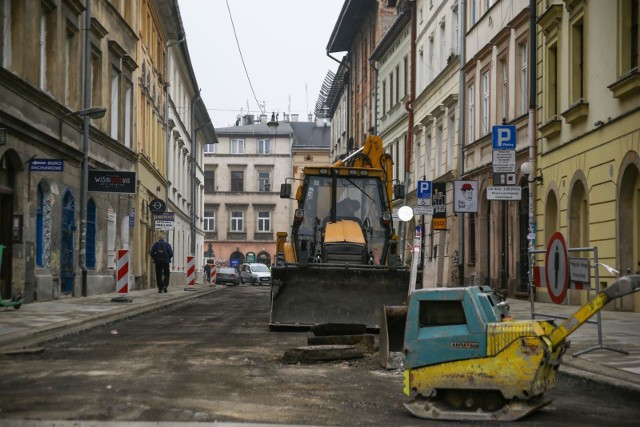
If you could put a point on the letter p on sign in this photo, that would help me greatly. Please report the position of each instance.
(504, 137)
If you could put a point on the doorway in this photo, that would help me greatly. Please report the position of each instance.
(67, 273)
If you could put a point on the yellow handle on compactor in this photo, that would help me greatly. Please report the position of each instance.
(622, 286)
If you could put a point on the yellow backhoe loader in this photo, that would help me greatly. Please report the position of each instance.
(341, 262)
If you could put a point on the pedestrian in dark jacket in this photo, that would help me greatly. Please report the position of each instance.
(161, 253)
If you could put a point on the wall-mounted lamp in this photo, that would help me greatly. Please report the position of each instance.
(527, 170)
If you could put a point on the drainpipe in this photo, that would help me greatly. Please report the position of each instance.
(409, 107)
(461, 103)
(374, 127)
(193, 172)
(532, 140)
(85, 148)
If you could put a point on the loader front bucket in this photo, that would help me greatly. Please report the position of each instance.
(303, 295)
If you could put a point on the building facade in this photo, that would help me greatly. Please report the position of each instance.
(83, 141)
(436, 135)
(52, 132)
(243, 174)
(588, 145)
(496, 92)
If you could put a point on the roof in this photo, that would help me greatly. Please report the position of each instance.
(349, 21)
(309, 135)
(304, 134)
(255, 129)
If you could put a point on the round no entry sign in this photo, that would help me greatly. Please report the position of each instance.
(556, 266)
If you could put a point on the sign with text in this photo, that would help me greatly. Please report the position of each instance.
(419, 209)
(439, 200)
(112, 182)
(46, 165)
(505, 192)
(504, 161)
(424, 193)
(165, 221)
(503, 137)
(579, 270)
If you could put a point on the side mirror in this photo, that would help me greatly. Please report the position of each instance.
(285, 191)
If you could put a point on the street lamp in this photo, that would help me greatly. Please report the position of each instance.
(91, 112)
(527, 170)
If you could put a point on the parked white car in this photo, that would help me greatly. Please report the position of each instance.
(255, 273)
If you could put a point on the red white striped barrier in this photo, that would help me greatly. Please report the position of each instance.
(191, 273)
(214, 272)
(122, 269)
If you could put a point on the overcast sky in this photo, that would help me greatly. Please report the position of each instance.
(283, 43)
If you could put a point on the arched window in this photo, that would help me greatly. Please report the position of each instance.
(43, 227)
(91, 234)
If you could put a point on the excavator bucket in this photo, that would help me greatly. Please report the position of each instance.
(303, 295)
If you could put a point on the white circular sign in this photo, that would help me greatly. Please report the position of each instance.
(405, 213)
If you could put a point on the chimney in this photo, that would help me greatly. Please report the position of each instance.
(309, 117)
(263, 118)
(248, 119)
(294, 117)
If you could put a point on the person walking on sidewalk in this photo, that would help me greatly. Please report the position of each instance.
(161, 252)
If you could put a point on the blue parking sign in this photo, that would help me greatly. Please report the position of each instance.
(424, 189)
(503, 137)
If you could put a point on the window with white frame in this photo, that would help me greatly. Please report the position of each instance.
(431, 59)
(384, 97)
(576, 87)
(443, 46)
(420, 71)
(524, 77)
(264, 184)
(451, 138)
(397, 83)
(391, 99)
(439, 148)
(504, 88)
(473, 10)
(237, 146)
(485, 103)
(236, 221)
(471, 112)
(455, 31)
(115, 102)
(210, 148)
(264, 146)
(128, 99)
(427, 158)
(264, 221)
(46, 45)
(209, 218)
